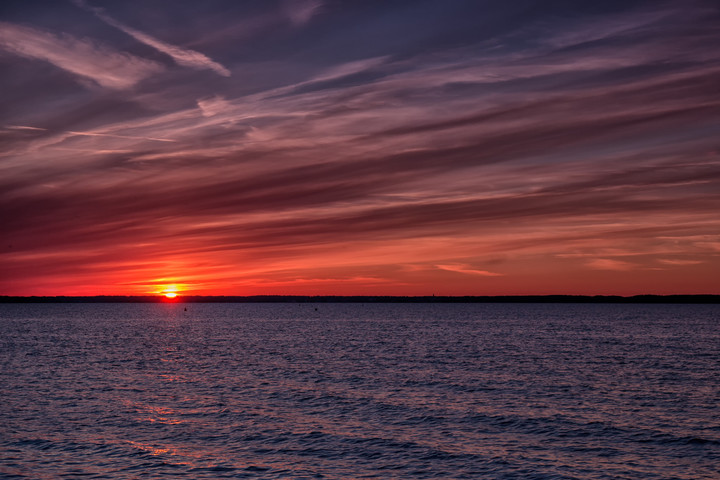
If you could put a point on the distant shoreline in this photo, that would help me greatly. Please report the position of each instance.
(661, 299)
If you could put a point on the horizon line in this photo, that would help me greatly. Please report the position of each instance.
(553, 298)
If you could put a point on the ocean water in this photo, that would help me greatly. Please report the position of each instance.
(335, 391)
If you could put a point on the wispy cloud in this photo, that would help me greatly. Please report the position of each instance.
(679, 262)
(467, 269)
(611, 26)
(347, 69)
(128, 137)
(181, 56)
(24, 127)
(81, 57)
(213, 106)
(301, 11)
(610, 264)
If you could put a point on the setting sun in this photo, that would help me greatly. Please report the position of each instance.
(169, 291)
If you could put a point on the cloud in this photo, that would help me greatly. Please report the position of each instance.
(468, 270)
(24, 127)
(128, 137)
(181, 56)
(612, 27)
(679, 262)
(609, 264)
(301, 11)
(81, 57)
(347, 69)
(213, 106)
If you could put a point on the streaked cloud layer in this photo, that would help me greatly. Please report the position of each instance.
(405, 148)
(82, 57)
(182, 56)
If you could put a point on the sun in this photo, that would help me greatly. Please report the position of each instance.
(169, 291)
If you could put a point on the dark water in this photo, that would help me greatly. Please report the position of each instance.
(360, 391)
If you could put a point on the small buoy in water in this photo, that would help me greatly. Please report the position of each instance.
(186, 309)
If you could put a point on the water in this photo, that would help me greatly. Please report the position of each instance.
(495, 391)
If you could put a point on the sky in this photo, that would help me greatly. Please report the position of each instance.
(333, 147)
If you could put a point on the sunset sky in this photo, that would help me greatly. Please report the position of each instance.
(332, 147)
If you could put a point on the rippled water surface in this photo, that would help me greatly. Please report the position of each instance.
(359, 391)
